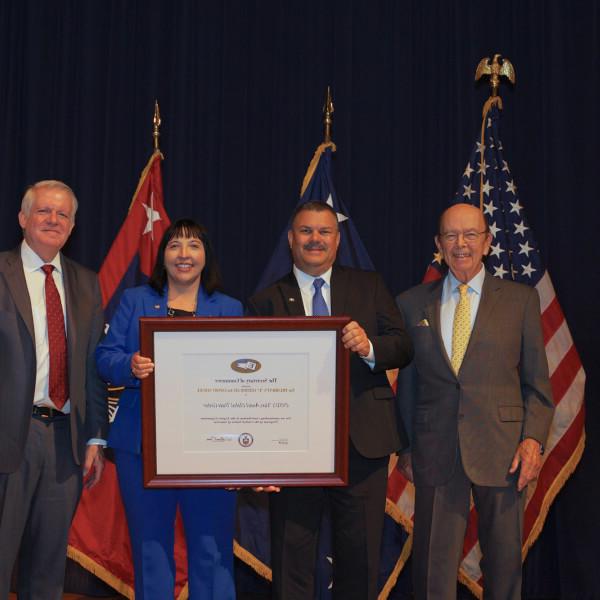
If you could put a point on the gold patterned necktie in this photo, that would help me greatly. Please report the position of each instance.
(461, 327)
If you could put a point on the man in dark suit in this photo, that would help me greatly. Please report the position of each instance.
(54, 412)
(477, 405)
(377, 341)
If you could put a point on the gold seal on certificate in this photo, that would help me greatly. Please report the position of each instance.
(245, 401)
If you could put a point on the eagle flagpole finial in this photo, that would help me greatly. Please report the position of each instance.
(495, 69)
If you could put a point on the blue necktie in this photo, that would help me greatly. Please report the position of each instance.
(319, 307)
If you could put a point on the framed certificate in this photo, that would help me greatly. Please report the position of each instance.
(239, 401)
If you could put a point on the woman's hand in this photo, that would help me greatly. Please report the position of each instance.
(141, 366)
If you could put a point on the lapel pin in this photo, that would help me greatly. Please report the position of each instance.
(291, 300)
(157, 306)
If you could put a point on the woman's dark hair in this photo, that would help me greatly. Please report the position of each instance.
(211, 275)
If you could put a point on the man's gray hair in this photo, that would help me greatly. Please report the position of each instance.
(31, 191)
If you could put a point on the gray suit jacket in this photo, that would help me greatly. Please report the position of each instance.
(18, 362)
(501, 395)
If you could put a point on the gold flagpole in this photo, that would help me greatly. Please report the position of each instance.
(326, 143)
(495, 70)
(328, 110)
(156, 126)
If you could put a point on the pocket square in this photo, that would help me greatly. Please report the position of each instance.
(423, 323)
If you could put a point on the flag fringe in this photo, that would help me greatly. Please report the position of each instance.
(552, 492)
(470, 584)
(395, 513)
(100, 572)
(549, 498)
(393, 578)
(313, 164)
(253, 562)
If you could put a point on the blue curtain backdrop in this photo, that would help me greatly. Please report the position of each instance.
(241, 85)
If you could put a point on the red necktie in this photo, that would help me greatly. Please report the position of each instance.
(58, 384)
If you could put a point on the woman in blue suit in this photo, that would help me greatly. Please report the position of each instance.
(184, 282)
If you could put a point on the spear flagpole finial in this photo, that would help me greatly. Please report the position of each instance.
(156, 126)
(327, 116)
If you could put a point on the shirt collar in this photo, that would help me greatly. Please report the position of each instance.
(475, 284)
(32, 262)
(306, 281)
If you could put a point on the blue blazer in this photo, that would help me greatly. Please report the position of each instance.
(114, 352)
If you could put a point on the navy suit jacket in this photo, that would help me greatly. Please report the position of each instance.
(363, 296)
(123, 339)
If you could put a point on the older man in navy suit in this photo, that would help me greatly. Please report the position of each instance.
(54, 412)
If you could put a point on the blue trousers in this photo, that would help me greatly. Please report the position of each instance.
(208, 518)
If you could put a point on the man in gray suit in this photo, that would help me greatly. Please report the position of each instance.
(477, 406)
(54, 412)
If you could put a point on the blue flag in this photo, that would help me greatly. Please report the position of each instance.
(253, 545)
(318, 187)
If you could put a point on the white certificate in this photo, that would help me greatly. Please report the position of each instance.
(246, 401)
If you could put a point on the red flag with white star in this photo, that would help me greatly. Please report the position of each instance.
(99, 539)
(131, 256)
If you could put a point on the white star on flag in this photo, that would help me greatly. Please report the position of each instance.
(515, 207)
(528, 270)
(340, 216)
(500, 271)
(494, 229)
(521, 228)
(468, 171)
(487, 187)
(480, 147)
(496, 250)
(511, 187)
(153, 216)
(525, 248)
(468, 191)
(505, 166)
(482, 167)
(489, 209)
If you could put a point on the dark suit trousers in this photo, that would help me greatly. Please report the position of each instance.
(39, 500)
(441, 515)
(357, 513)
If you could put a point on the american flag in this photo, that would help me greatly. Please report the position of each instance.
(488, 182)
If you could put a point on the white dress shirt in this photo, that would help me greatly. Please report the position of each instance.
(35, 279)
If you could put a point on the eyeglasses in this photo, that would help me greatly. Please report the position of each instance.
(468, 236)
